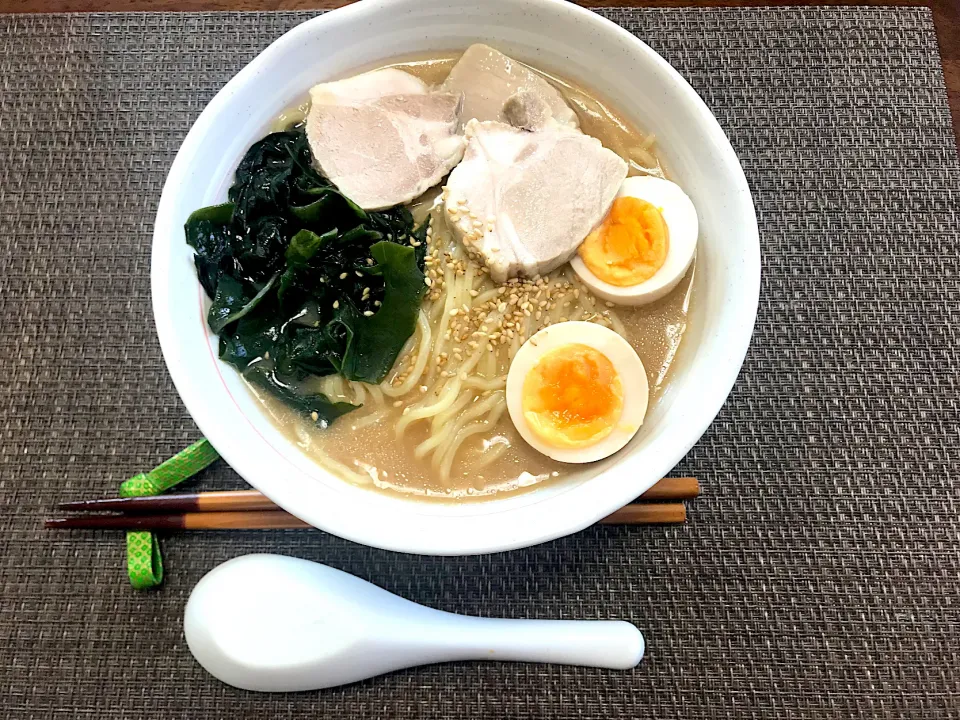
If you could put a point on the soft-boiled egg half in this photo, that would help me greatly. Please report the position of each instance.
(643, 247)
(577, 392)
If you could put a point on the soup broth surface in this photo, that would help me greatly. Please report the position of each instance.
(367, 446)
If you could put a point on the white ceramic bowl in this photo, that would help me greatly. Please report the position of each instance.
(552, 35)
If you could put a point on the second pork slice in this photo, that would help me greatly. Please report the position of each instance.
(524, 201)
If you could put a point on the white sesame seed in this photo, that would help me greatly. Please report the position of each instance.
(367, 313)
(343, 276)
(609, 304)
(314, 416)
(453, 313)
(397, 403)
(336, 304)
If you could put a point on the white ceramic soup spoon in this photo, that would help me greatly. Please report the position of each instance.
(275, 623)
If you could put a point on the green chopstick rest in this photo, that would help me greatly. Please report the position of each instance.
(144, 562)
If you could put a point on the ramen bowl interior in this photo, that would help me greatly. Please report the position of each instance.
(554, 37)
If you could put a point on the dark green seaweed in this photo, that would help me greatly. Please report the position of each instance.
(302, 280)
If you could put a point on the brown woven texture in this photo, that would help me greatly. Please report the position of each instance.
(816, 577)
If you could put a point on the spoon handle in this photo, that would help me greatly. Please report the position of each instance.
(611, 644)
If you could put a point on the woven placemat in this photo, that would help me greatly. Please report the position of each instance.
(818, 574)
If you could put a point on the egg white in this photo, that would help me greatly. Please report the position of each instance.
(680, 216)
(633, 379)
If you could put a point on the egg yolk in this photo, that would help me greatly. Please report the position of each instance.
(629, 246)
(572, 397)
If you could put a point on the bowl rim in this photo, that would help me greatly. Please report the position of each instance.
(546, 528)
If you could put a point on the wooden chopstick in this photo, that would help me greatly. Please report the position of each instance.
(225, 500)
(647, 514)
(680, 488)
(683, 488)
(251, 510)
(637, 514)
(249, 520)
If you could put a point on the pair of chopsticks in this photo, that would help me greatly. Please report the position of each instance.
(251, 510)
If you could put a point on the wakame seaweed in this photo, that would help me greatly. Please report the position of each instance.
(302, 280)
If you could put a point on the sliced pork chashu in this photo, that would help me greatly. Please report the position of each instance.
(524, 201)
(383, 137)
(487, 78)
